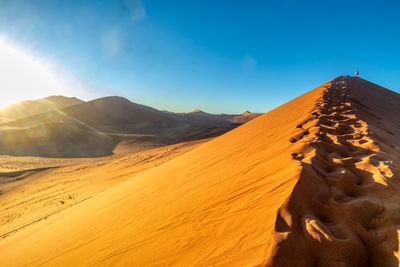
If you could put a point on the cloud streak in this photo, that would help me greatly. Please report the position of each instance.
(113, 43)
(249, 64)
(136, 9)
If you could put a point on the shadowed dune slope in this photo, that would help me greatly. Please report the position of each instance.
(312, 182)
(86, 129)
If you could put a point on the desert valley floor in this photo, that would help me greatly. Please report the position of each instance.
(314, 182)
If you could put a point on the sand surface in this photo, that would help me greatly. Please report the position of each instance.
(34, 188)
(311, 183)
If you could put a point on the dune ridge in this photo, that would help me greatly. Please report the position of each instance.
(344, 209)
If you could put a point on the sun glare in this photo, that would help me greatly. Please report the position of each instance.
(25, 76)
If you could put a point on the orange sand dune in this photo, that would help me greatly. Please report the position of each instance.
(312, 182)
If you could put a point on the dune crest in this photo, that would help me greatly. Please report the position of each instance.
(344, 209)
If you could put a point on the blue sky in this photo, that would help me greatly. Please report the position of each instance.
(219, 56)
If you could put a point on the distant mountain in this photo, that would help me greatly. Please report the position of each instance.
(197, 111)
(32, 107)
(108, 114)
(245, 117)
(205, 118)
(59, 126)
(94, 128)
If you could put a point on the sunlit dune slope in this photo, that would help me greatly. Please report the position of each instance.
(214, 204)
(34, 188)
(32, 107)
(311, 182)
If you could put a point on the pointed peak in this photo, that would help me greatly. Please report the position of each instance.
(345, 78)
(197, 111)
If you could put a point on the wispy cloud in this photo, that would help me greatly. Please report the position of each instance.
(136, 9)
(112, 42)
(249, 64)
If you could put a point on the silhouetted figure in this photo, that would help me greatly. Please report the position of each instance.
(356, 73)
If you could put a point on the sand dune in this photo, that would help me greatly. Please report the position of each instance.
(312, 182)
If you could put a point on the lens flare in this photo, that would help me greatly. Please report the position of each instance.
(25, 75)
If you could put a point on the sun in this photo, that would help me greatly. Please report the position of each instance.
(24, 75)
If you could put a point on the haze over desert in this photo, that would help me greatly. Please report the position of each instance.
(199, 133)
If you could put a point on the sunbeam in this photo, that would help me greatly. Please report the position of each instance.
(25, 75)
